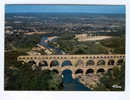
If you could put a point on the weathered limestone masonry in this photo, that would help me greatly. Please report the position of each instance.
(82, 63)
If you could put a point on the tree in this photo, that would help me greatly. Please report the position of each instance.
(24, 78)
(112, 81)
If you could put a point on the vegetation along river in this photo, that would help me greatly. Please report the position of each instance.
(69, 83)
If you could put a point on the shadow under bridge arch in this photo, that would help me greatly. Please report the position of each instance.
(32, 62)
(67, 76)
(66, 63)
(43, 63)
(101, 62)
(90, 71)
(54, 63)
(90, 63)
(79, 71)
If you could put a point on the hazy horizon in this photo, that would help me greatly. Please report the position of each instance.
(97, 9)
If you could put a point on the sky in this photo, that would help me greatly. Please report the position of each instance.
(118, 9)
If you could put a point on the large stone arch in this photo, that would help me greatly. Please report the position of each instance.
(101, 63)
(55, 70)
(66, 63)
(100, 70)
(90, 63)
(69, 71)
(79, 63)
(88, 71)
(79, 71)
(111, 62)
(43, 63)
(54, 63)
(120, 62)
(110, 70)
(32, 62)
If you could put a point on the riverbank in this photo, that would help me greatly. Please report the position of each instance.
(85, 37)
(90, 80)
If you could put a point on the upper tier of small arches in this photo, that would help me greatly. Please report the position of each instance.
(71, 57)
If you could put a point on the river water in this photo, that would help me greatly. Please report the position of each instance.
(42, 42)
(69, 83)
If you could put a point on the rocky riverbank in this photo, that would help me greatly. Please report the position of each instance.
(90, 80)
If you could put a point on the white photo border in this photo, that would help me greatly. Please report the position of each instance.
(57, 95)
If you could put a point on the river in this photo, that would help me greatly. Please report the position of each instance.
(42, 42)
(69, 83)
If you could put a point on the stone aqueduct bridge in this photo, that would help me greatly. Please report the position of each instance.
(78, 64)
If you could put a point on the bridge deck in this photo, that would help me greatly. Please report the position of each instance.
(103, 56)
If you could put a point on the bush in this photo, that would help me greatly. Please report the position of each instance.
(24, 78)
(111, 79)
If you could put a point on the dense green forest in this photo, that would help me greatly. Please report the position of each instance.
(20, 76)
(21, 41)
(70, 45)
(113, 80)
